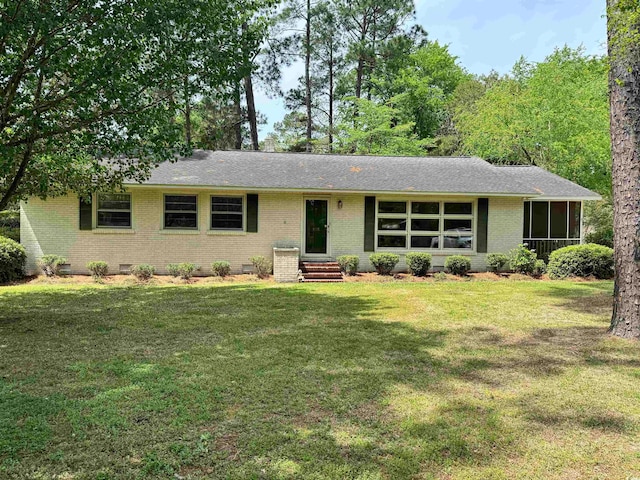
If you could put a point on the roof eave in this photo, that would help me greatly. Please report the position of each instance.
(331, 190)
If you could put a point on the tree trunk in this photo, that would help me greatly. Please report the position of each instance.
(187, 112)
(237, 127)
(307, 75)
(251, 112)
(624, 85)
(331, 97)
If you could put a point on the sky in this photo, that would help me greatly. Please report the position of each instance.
(490, 35)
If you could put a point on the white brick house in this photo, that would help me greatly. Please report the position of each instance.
(233, 205)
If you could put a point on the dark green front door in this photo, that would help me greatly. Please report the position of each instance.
(316, 226)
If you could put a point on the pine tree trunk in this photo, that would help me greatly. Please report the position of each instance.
(251, 112)
(624, 85)
(187, 112)
(331, 98)
(307, 75)
(238, 124)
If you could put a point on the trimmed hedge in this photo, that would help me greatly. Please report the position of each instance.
(496, 261)
(349, 263)
(522, 260)
(419, 263)
(587, 260)
(50, 264)
(458, 265)
(384, 263)
(12, 260)
(98, 269)
(221, 268)
(143, 272)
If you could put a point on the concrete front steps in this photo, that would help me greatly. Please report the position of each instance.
(320, 271)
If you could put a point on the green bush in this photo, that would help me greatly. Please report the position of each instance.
(12, 260)
(50, 264)
(601, 237)
(540, 268)
(522, 260)
(143, 271)
(98, 269)
(439, 276)
(419, 263)
(384, 263)
(349, 263)
(185, 270)
(587, 260)
(261, 265)
(173, 269)
(10, 218)
(221, 268)
(458, 265)
(10, 232)
(496, 261)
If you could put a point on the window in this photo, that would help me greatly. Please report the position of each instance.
(227, 213)
(114, 210)
(181, 211)
(425, 225)
(555, 220)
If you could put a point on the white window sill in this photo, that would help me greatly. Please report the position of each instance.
(434, 252)
(113, 231)
(226, 232)
(178, 232)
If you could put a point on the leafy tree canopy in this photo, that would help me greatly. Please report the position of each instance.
(89, 86)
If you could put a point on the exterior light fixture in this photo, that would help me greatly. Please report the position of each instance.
(339, 204)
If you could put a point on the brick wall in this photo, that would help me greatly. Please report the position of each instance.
(52, 227)
(286, 264)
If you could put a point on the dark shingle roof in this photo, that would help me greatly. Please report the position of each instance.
(547, 184)
(322, 172)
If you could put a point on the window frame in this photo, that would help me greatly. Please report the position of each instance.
(529, 203)
(98, 210)
(244, 214)
(165, 211)
(441, 233)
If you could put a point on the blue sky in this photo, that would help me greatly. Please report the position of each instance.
(488, 35)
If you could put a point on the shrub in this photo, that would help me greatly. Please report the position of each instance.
(349, 263)
(143, 271)
(419, 263)
(601, 237)
(458, 265)
(173, 269)
(522, 260)
(50, 264)
(221, 268)
(185, 270)
(439, 276)
(540, 268)
(496, 261)
(98, 269)
(12, 260)
(384, 263)
(584, 260)
(261, 265)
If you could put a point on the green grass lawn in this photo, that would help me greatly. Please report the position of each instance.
(510, 379)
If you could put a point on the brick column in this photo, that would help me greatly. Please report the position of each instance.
(286, 264)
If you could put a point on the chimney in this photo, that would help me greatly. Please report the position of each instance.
(269, 144)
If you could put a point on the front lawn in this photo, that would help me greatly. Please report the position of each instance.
(512, 379)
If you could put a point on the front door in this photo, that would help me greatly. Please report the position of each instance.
(316, 223)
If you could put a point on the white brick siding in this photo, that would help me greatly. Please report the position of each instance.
(52, 226)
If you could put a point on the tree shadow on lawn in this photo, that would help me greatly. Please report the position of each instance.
(255, 382)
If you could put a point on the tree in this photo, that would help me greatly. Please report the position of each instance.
(623, 29)
(87, 91)
(553, 114)
(375, 131)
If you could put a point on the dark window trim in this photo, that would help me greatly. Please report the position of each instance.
(98, 210)
(244, 214)
(165, 211)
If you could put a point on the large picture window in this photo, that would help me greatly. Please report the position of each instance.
(227, 213)
(552, 220)
(181, 211)
(425, 225)
(114, 210)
